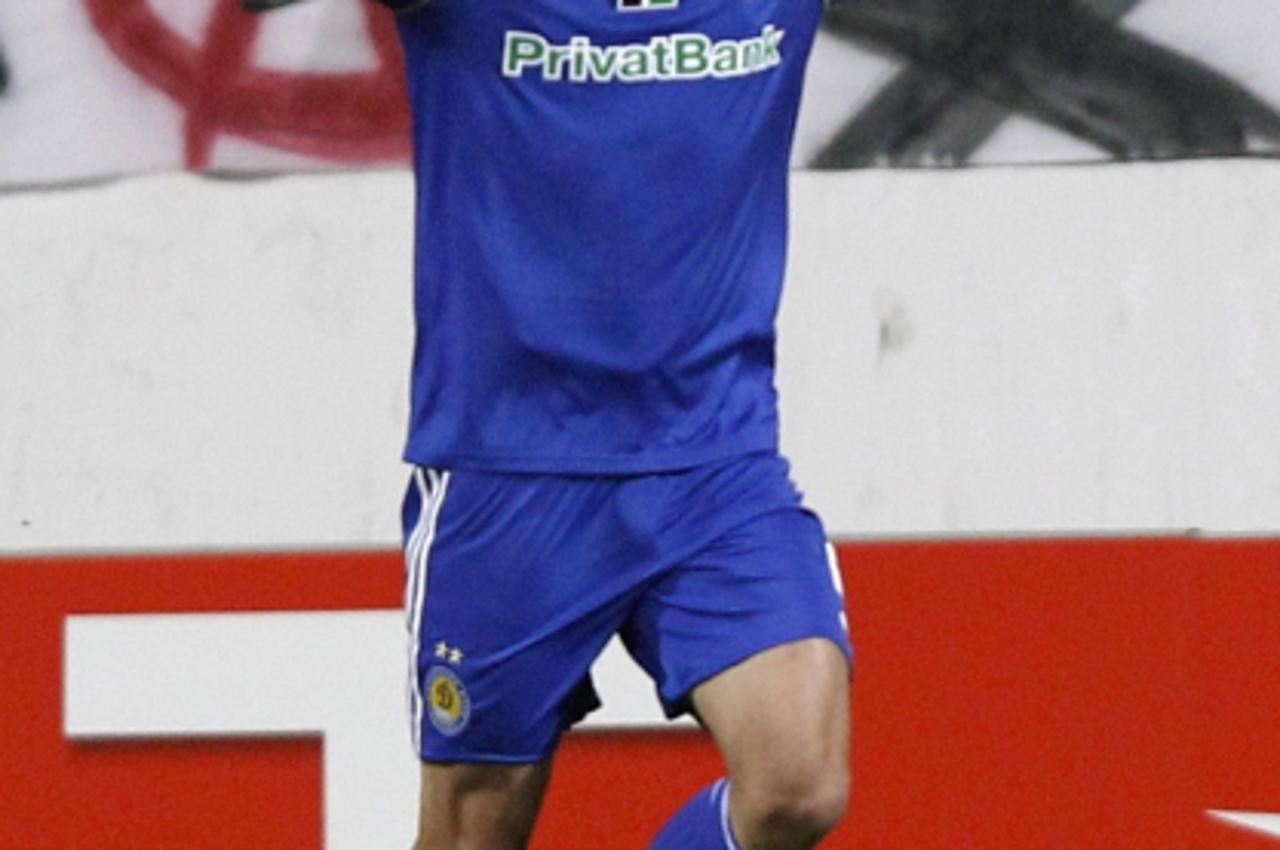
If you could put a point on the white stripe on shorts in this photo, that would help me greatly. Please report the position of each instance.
(833, 564)
(726, 830)
(415, 540)
(432, 486)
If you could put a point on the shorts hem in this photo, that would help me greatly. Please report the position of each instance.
(683, 703)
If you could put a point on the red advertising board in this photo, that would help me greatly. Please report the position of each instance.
(1010, 694)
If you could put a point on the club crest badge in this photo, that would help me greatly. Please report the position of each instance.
(448, 704)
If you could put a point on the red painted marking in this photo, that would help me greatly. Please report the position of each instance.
(1055, 695)
(616, 789)
(343, 117)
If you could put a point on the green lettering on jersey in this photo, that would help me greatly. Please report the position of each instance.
(664, 58)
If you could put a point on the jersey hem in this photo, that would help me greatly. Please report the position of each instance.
(665, 461)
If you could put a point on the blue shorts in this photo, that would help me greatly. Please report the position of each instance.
(515, 583)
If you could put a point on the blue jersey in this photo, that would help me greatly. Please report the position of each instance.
(601, 228)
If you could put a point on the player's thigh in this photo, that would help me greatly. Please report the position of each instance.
(750, 627)
(782, 719)
(762, 577)
(490, 805)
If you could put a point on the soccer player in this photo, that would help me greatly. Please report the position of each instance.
(602, 213)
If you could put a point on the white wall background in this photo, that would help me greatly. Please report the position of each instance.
(189, 363)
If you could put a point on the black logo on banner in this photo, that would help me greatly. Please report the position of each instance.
(1065, 63)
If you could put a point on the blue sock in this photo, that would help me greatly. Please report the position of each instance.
(703, 823)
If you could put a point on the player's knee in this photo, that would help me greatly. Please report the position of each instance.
(799, 807)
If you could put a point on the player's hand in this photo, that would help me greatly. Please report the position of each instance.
(265, 5)
(401, 7)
